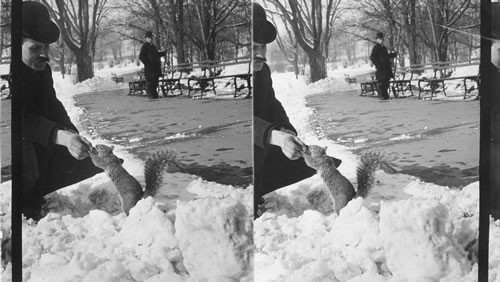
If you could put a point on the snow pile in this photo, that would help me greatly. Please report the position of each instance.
(215, 237)
(100, 247)
(419, 242)
(148, 230)
(494, 251)
(409, 239)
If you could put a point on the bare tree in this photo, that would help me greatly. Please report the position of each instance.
(211, 19)
(442, 17)
(422, 28)
(177, 15)
(5, 20)
(312, 24)
(79, 22)
(165, 18)
(287, 44)
(410, 26)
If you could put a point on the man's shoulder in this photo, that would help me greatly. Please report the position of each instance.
(264, 74)
(266, 68)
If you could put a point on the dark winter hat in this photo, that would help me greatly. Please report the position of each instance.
(379, 35)
(495, 20)
(149, 34)
(37, 24)
(263, 31)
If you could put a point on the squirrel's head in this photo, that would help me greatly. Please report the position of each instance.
(315, 150)
(104, 150)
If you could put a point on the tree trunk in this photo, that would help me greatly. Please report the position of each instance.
(84, 65)
(61, 60)
(411, 30)
(317, 65)
(210, 50)
(178, 16)
(443, 48)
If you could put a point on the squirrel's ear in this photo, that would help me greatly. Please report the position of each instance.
(112, 147)
(326, 147)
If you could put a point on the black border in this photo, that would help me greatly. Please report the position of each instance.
(485, 141)
(16, 139)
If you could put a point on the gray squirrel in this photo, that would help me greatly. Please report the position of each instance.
(341, 190)
(129, 189)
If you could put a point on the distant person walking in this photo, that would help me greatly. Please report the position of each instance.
(150, 57)
(381, 58)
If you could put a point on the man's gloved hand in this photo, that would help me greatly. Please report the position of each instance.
(77, 145)
(290, 144)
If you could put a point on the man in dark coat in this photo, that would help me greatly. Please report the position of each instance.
(150, 57)
(381, 58)
(278, 158)
(54, 154)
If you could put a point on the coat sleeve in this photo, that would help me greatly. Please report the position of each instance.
(143, 56)
(375, 56)
(261, 132)
(276, 116)
(39, 129)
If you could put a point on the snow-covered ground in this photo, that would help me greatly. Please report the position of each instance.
(418, 232)
(193, 230)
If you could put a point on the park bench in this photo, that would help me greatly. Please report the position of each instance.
(246, 76)
(136, 87)
(398, 86)
(349, 79)
(172, 76)
(116, 78)
(8, 78)
(406, 77)
(443, 72)
(211, 71)
(369, 87)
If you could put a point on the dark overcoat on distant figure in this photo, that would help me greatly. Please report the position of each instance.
(381, 59)
(150, 57)
(46, 166)
(273, 169)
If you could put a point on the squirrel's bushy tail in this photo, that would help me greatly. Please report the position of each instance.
(154, 168)
(365, 173)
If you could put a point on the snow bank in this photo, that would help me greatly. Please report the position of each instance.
(419, 243)
(410, 240)
(215, 237)
(101, 247)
